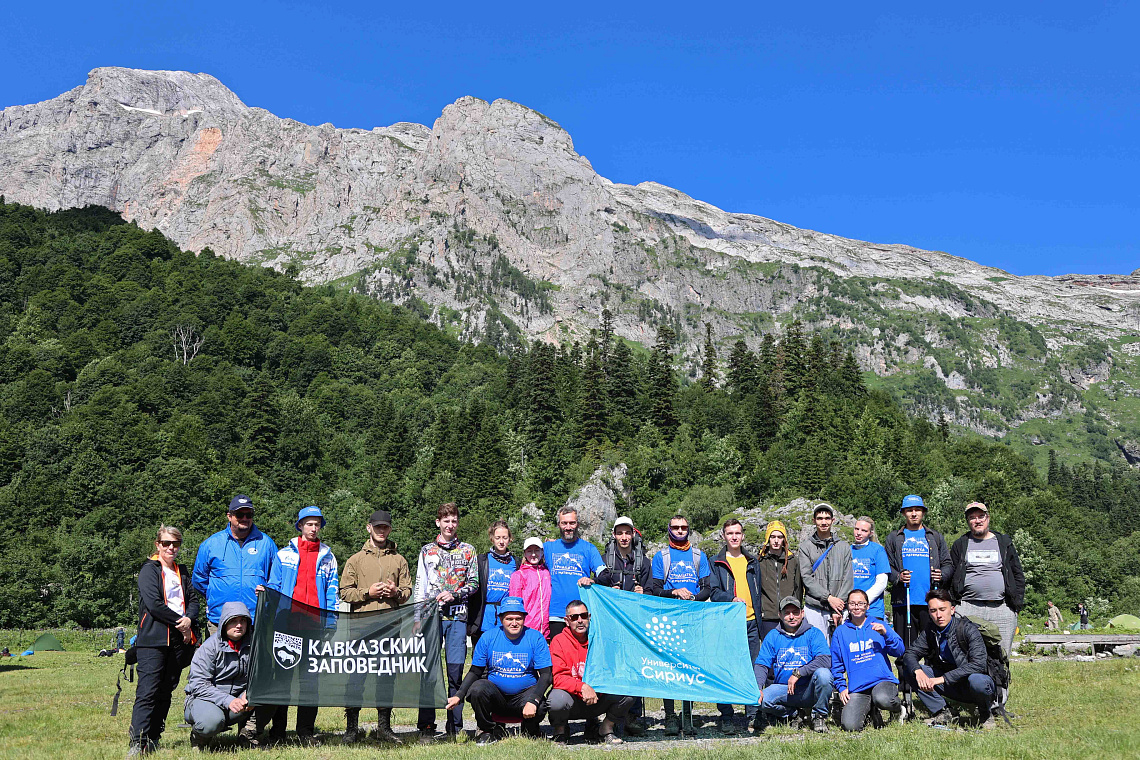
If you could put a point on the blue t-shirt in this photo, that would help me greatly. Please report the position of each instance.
(497, 581)
(567, 564)
(512, 665)
(682, 574)
(782, 654)
(916, 558)
(866, 563)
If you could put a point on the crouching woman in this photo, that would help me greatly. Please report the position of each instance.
(219, 675)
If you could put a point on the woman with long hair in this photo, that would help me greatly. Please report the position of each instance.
(168, 610)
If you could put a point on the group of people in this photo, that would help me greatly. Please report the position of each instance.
(816, 620)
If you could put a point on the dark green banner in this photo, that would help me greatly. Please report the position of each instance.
(303, 655)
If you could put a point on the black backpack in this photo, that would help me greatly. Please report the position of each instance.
(997, 661)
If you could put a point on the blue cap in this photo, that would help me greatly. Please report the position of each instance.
(309, 512)
(912, 501)
(241, 501)
(511, 604)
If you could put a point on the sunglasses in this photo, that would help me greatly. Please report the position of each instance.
(678, 527)
(578, 616)
(167, 544)
(244, 514)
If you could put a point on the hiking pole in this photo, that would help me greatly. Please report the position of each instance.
(908, 698)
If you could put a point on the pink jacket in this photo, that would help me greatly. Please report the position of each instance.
(533, 585)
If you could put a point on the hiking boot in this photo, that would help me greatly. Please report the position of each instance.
(634, 728)
(559, 738)
(940, 719)
(726, 726)
(986, 721)
(307, 738)
(819, 724)
(352, 732)
(135, 750)
(593, 731)
(759, 723)
(485, 738)
(383, 730)
(427, 735)
(672, 725)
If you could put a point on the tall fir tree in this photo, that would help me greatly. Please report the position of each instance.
(742, 369)
(592, 422)
(710, 372)
(663, 383)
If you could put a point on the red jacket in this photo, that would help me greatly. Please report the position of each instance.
(569, 658)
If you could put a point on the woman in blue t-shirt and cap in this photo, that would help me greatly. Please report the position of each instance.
(509, 675)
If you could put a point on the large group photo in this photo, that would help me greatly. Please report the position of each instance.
(446, 381)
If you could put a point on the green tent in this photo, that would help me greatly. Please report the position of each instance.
(47, 643)
(1125, 621)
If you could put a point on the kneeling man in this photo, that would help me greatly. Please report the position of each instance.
(572, 698)
(219, 676)
(798, 657)
(955, 654)
(509, 675)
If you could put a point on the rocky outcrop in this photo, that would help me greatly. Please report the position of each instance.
(599, 501)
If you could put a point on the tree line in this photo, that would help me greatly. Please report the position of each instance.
(142, 384)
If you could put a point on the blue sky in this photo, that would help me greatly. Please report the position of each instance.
(1006, 136)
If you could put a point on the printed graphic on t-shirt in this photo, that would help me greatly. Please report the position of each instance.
(569, 563)
(792, 657)
(682, 572)
(498, 579)
(509, 664)
(861, 567)
(916, 547)
(983, 557)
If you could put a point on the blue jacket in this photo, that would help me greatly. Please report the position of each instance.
(859, 656)
(283, 577)
(226, 570)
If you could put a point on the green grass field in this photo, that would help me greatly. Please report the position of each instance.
(56, 704)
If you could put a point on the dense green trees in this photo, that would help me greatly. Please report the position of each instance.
(140, 384)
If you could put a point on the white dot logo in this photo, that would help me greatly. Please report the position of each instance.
(666, 635)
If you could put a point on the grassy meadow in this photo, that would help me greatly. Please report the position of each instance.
(56, 704)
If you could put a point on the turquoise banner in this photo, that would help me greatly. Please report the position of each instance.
(647, 646)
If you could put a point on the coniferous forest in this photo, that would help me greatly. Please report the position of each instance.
(142, 384)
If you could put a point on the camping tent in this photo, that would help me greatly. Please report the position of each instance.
(47, 643)
(1125, 621)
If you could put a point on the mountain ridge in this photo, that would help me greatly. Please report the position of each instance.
(493, 221)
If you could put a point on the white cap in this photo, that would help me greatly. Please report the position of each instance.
(623, 520)
(532, 541)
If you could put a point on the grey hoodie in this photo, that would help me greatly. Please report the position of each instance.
(834, 576)
(219, 673)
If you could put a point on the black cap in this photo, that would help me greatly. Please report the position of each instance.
(381, 517)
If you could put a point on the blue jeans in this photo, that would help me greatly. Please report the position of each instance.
(454, 634)
(977, 689)
(777, 702)
(753, 650)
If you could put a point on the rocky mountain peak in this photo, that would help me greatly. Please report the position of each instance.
(161, 93)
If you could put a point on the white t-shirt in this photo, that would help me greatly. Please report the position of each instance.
(174, 598)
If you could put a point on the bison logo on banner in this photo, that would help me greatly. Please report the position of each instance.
(286, 649)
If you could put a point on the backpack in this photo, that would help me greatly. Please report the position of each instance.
(610, 557)
(997, 661)
(667, 561)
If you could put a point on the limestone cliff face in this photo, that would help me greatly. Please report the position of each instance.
(494, 221)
